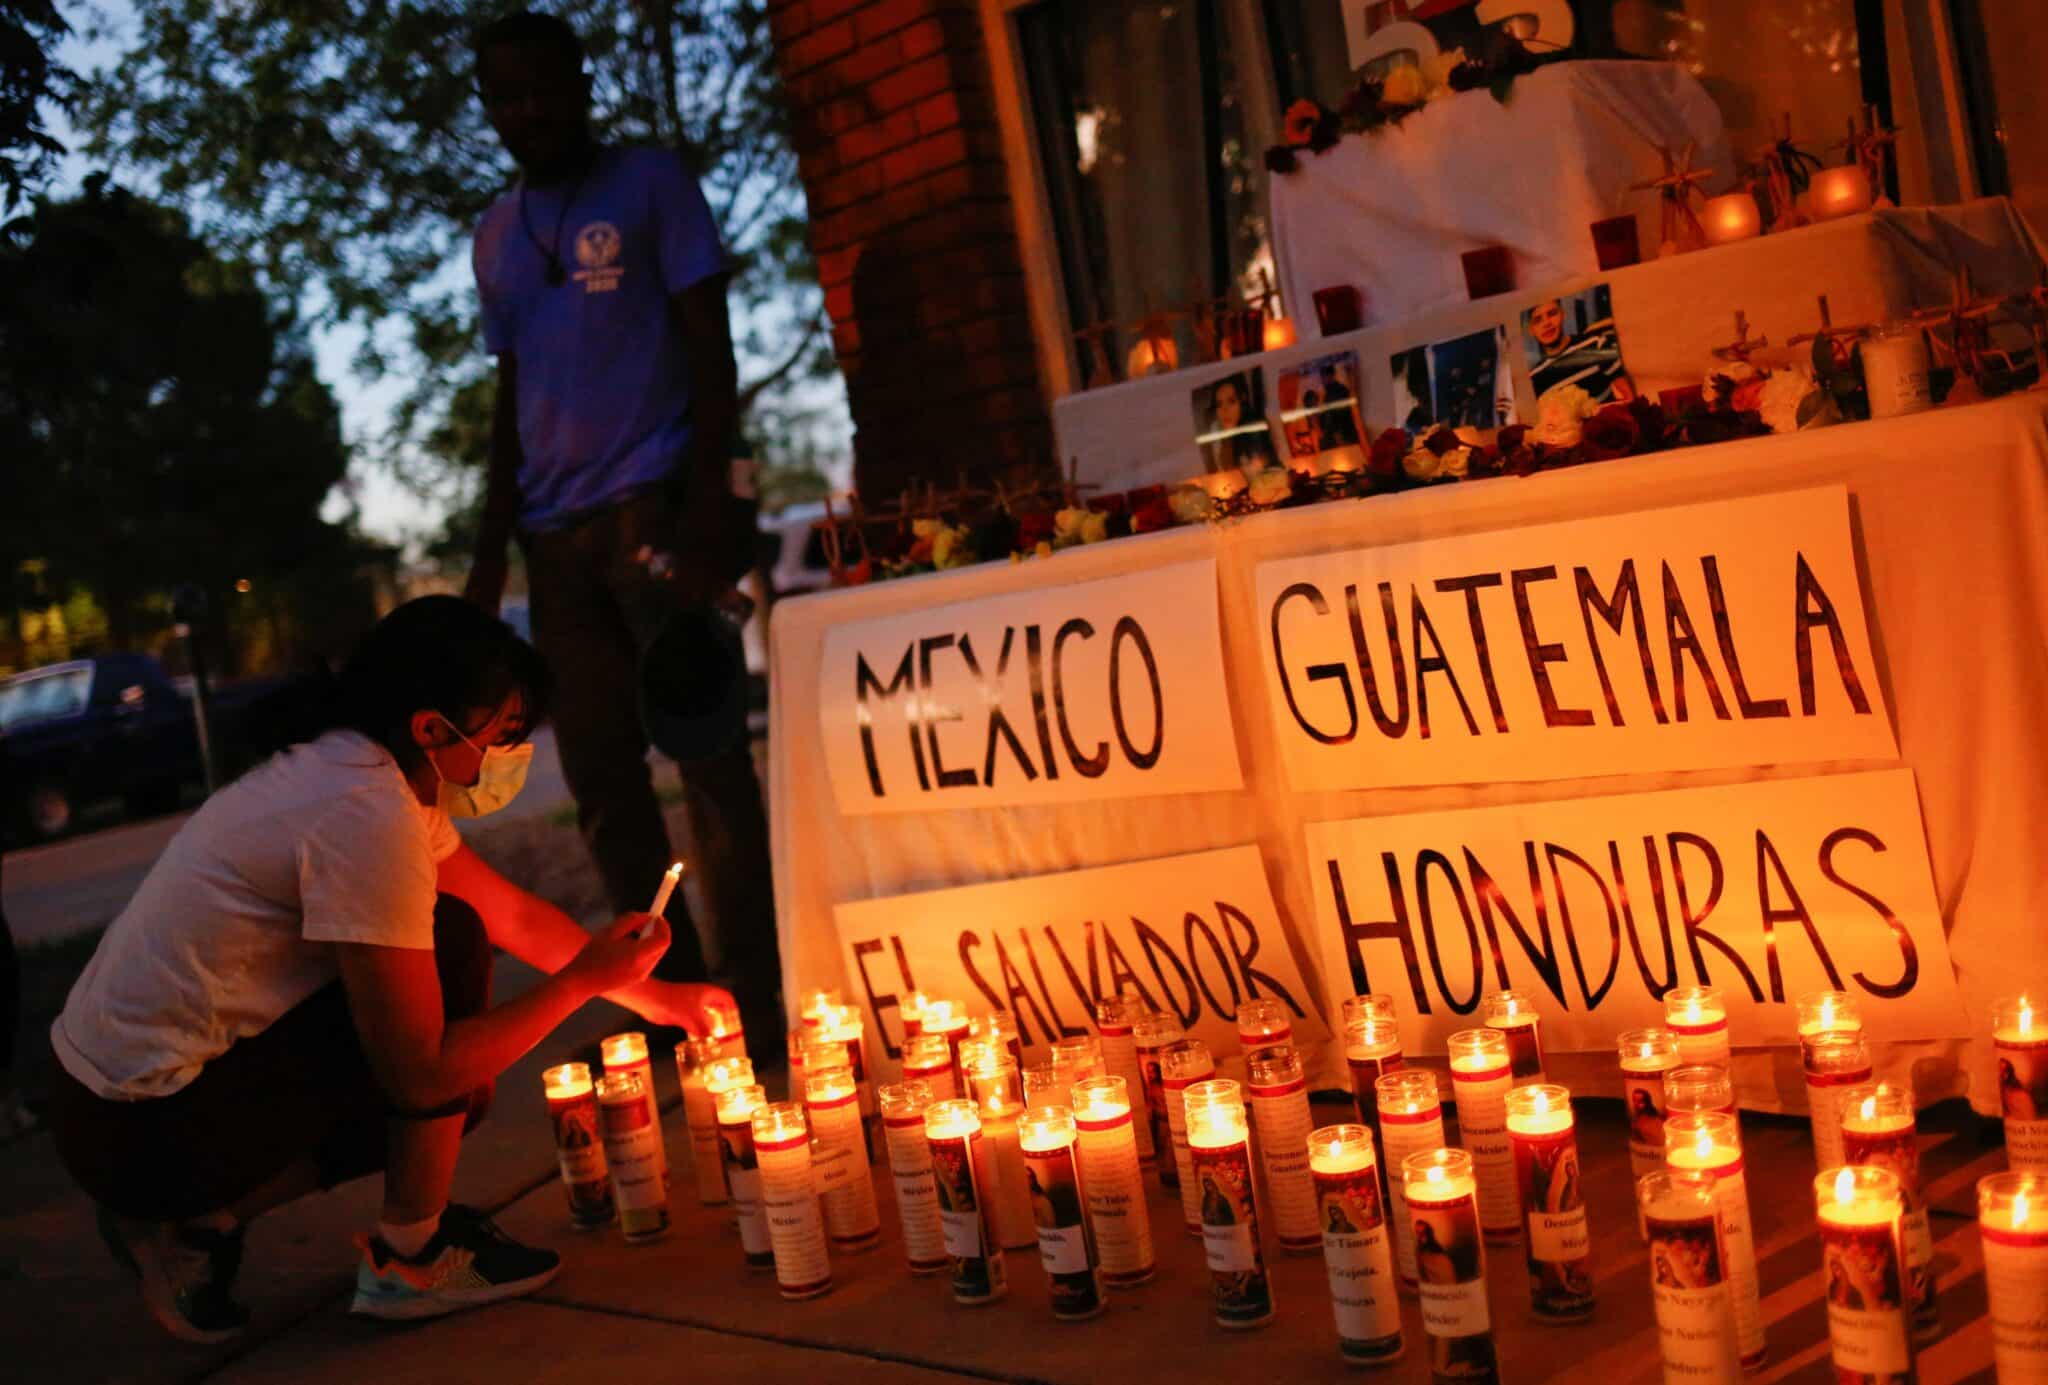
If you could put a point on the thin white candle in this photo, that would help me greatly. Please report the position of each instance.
(670, 878)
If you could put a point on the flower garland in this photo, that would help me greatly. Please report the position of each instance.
(1374, 103)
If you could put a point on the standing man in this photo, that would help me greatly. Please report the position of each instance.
(603, 285)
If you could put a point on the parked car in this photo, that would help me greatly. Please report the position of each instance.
(112, 726)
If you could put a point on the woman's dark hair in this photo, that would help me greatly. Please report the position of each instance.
(530, 27)
(434, 653)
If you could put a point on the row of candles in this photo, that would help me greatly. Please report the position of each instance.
(987, 1154)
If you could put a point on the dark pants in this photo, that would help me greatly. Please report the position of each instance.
(301, 1088)
(595, 606)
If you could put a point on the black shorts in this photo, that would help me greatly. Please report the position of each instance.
(302, 1088)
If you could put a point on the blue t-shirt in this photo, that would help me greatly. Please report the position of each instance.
(604, 393)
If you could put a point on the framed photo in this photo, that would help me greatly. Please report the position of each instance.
(1461, 383)
(1572, 341)
(1230, 423)
(1321, 415)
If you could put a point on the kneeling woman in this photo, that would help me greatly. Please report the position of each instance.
(299, 993)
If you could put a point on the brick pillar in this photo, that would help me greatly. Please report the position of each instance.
(915, 235)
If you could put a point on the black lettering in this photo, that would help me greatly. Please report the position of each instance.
(934, 713)
(1014, 990)
(1471, 585)
(1395, 928)
(1397, 665)
(1121, 972)
(1655, 865)
(1083, 993)
(1909, 954)
(1793, 912)
(1541, 655)
(1488, 893)
(1090, 766)
(1235, 920)
(1059, 1024)
(1552, 854)
(1626, 600)
(1189, 924)
(1154, 947)
(1034, 658)
(1428, 664)
(1316, 672)
(864, 682)
(970, 940)
(1129, 629)
(1681, 639)
(1724, 635)
(1423, 862)
(998, 719)
(1814, 609)
(1692, 922)
(878, 1001)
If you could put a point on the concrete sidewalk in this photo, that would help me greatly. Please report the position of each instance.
(685, 1307)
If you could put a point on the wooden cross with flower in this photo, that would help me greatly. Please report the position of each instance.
(1870, 143)
(1787, 171)
(1744, 346)
(1841, 341)
(1677, 187)
(1967, 319)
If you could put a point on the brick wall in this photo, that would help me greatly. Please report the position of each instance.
(915, 235)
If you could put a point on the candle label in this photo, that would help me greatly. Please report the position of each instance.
(1120, 1059)
(1644, 1094)
(1898, 1149)
(743, 1179)
(1405, 1133)
(840, 1171)
(2016, 1286)
(1366, 1071)
(1158, 1128)
(1525, 1050)
(645, 1068)
(796, 1233)
(1015, 1226)
(629, 1151)
(1360, 1261)
(1177, 1124)
(917, 1200)
(1056, 1209)
(1452, 1264)
(579, 1148)
(700, 1118)
(1116, 1198)
(1483, 1130)
(1738, 1244)
(961, 1174)
(1281, 1115)
(2023, 1099)
(1866, 1305)
(1695, 1321)
(1559, 1248)
(1824, 1102)
(1252, 1045)
(1701, 1043)
(1230, 1235)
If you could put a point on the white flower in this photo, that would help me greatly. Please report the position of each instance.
(1436, 70)
(1559, 414)
(1784, 393)
(1735, 371)
(1422, 464)
(1457, 461)
(1271, 486)
(1190, 504)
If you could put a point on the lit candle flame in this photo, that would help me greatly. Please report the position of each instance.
(1704, 1145)
(1692, 1009)
(1827, 1012)
(1870, 1108)
(2019, 1208)
(1648, 1052)
(2026, 1015)
(1336, 1148)
(1845, 1187)
(1436, 1175)
(1540, 1102)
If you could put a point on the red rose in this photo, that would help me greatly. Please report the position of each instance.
(1441, 441)
(1298, 127)
(1610, 433)
(1153, 514)
(1387, 451)
(1111, 504)
(1749, 395)
(1510, 438)
(1034, 528)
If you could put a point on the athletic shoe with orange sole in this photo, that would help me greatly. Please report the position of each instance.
(468, 1263)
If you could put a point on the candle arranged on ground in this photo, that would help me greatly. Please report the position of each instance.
(1219, 1140)
(670, 878)
(1836, 1064)
(928, 1058)
(1047, 1138)
(1689, 1279)
(1699, 1017)
(1110, 1180)
(1150, 1034)
(1263, 1024)
(1552, 1188)
(1116, 1018)
(1513, 1013)
(1046, 1085)
(1701, 1087)
(1709, 1142)
(1079, 1055)
(1372, 1049)
(1731, 218)
(1842, 191)
(810, 1050)
(816, 1003)
(1646, 1055)
(1879, 1130)
(1863, 1270)
(736, 1107)
(948, 1020)
(1481, 1079)
(2020, 1041)
(579, 1147)
(722, 1022)
(1441, 1193)
(840, 1171)
(800, 1040)
(630, 1153)
(2012, 1228)
(628, 1053)
(1181, 1064)
(910, 1009)
(842, 1024)
(1827, 1012)
(694, 1058)
(998, 1094)
(999, 1028)
(1411, 1123)
(965, 1182)
(1357, 1251)
(1279, 1103)
(910, 1166)
(789, 1202)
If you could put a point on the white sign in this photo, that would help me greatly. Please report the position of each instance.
(1108, 689)
(1599, 906)
(1195, 934)
(1709, 636)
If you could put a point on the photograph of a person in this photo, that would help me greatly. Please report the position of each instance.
(1862, 1270)
(1462, 383)
(1230, 423)
(2023, 1083)
(1319, 410)
(1685, 1255)
(1573, 341)
(1353, 1210)
(1447, 1243)
(1055, 1194)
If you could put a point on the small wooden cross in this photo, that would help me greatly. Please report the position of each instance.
(1829, 332)
(1676, 188)
(1099, 370)
(1743, 347)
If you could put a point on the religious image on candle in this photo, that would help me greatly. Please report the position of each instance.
(964, 1176)
(1357, 1251)
(1053, 1181)
(1710, 1143)
(1552, 1188)
(1863, 1272)
(1879, 1130)
(1450, 1257)
(1513, 1013)
(579, 1148)
(1219, 1139)
(736, 1107)
(1150, 1034)
(1689, 1279)
(1372, 1049)
(2019, 1037)
(1646, 1055)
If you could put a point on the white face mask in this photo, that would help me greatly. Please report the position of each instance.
(498, 781)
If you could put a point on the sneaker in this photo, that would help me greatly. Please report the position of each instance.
(187, 1273)
(468, 1263)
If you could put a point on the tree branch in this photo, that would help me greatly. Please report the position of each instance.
(754, 391)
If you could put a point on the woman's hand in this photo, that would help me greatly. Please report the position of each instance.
(676, 1003)
(619, 955)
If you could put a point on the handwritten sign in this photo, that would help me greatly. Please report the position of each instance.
(1600, 906)
(1709, 636)
(1109, 689)
(1195, 934)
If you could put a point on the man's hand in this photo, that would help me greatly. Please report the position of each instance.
(486, 584)
(619, 955)
(679, 1003)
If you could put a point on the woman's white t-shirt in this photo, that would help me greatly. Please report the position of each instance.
(235, 924)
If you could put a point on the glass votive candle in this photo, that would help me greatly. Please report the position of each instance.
(1835, 192)
(1731, 218)
(1616, 244)
(1489, 270)
(1339, 308)
(1863, 1269)
(2012, 1229)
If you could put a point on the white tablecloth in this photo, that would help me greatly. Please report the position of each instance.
(1950, 511)
(1392, 211)
(1670, 315)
